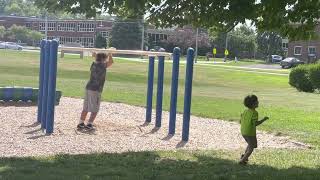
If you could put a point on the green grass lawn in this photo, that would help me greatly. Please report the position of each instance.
(204, 165)
(217, 93)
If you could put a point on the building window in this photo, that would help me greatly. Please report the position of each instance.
(29, 25)
(104, 34)
(50, 37)
(42, 26)
(86, 27)
(297, 50)
(312, 50)
(284, 45)
(51, 26)
(66, 27)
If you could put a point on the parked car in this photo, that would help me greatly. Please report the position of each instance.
(2, 46)
(10, 45)
(276, 58)
(290, 62)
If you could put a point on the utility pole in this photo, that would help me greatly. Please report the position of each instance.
(197, 45)
(46, 25)
(142, 34)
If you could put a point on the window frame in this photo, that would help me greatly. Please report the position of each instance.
(294, 51)
(315, 50)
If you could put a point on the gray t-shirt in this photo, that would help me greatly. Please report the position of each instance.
(97, 77)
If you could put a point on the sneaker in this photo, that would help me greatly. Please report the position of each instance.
(246, 161)
(81, 126)
(89, 127)
(243, 162)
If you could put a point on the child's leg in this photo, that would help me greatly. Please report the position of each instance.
(94, 105)
(92, 117)
(83, 116)
(85, 108)
(247, 154)
(252, 143)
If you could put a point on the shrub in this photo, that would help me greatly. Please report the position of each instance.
(314, 73)
(299, 78)
(100, 42)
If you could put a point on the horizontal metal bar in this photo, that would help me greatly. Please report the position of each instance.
(115, 51)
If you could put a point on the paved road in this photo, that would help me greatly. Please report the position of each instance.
(264, 66)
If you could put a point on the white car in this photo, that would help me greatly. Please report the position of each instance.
(10, 45)
(276, 58)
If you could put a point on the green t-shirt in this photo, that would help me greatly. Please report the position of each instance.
(248, 122)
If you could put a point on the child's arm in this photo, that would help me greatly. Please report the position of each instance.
(261, 121)
(110, 60)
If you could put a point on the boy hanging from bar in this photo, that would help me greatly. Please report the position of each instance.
(94, 89)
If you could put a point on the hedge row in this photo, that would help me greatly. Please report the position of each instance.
(305, 78)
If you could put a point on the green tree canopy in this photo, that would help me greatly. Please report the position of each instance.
(28, 8)
(241, 41)
(100, 41)
(20, 8)
(35, 36)
(23, 34)
(126, 35)
(19, 33)
(292, 18)
(185, 38)
(269, 43)
(2, 31)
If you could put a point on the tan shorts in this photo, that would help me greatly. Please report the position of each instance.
(92, 101)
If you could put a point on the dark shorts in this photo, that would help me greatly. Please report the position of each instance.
(251, 140)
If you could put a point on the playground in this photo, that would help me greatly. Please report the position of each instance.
(121, 127)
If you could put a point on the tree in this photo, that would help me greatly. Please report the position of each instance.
(185, 38)
(2, 31)
(19, 33)
(126, 35)
(35, 36)
(100, 41)
(21, 8)
(241, 42)
(292, 18)
(3, 4)
(269, 43)
(23, 34)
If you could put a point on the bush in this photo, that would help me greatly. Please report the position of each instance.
(299, 78)
(100, 41)
(314, 73)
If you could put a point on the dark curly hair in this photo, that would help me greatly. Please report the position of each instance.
(101, 57)
(250, 101)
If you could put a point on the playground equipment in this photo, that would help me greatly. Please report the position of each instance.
(23, 94)
(174, 84)
(47, 84)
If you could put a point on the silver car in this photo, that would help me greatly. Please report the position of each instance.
(10, 45)
(276, 58)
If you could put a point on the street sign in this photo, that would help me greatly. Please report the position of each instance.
(214, 51)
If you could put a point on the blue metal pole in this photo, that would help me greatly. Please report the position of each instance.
(159, 91)
(41, 76)
(52, 85)
(150, 89)
(187, 95)
(174, 90)
(45, 85)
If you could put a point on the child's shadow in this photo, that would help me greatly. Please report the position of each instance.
(84, 131)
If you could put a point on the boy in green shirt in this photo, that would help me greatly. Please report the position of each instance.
(249, 121)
